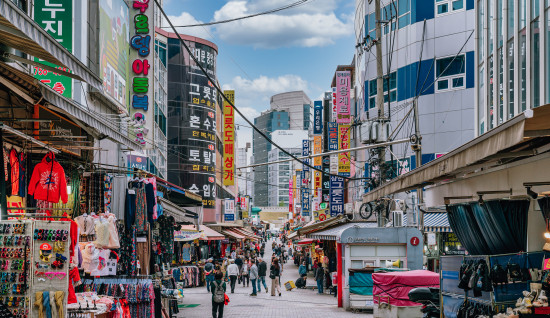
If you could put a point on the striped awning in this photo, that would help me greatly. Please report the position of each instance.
(332, 234)
(232, 234)
(19, 31)
(436, 222)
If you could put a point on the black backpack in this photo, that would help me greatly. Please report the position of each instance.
(499, 275)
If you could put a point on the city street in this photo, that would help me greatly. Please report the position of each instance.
(295, 303)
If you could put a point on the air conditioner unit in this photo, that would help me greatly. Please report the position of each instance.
(397, 217)
(366, 132)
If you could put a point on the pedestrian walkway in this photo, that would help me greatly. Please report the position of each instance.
(295, 303)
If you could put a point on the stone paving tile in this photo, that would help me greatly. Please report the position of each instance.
(295, 303)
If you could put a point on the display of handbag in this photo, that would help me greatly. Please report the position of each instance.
(514, 272)
(499, 275)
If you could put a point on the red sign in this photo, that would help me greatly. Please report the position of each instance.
(415, 241)
(546, 265)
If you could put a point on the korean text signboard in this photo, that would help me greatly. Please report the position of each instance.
(56, 18)
(290, 195)
(343, 86)
(344, 163)
(229, 210)
(228, 139)
(317, 117)
(336, 196)
(318, 163)
(333, 104)
(332, 136)
(142, 63)
(306, 208)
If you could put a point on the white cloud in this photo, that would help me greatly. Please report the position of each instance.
(316, 26)
(186, 18)
(252, 97)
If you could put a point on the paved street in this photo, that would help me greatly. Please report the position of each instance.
(295, 303)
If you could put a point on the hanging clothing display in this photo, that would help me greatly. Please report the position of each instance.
(14, 163)
(48, 181)
(189, 276)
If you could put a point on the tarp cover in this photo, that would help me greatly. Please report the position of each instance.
(396, 286)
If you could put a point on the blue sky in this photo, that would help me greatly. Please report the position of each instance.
(294, 49)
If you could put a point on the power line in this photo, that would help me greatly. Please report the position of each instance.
(288, 6)
(216, 86)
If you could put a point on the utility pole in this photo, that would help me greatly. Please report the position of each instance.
(417, 148)
(380, 99)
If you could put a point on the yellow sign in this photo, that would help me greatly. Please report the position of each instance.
(228, 139)
(321, 215)
(344, 167)
(317, 148)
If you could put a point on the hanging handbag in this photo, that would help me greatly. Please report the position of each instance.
(514, 272)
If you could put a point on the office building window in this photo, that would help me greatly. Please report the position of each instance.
(404, 10)
(448, 6)
(511, 4)
(451, 72)
(389, 14)
(480, 31)
(535, 60)
(481, 102)
(511, 79)
(390, 89)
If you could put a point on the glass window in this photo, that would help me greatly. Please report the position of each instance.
(372, 87)
(490, 99)
(510, 79)
(522, 8)
(490, 4)
(535, 9)
(449, 66)
(510, 18)
(535, 58)
(481, 96)
(458, 82)
(500, 87)
(500, 33)
(442, 84)
(480, 30)
(404, 9)
(447, 6)
(523, 72)
(458, 4)
(442, 8)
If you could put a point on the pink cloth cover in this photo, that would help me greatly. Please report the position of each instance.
(397, 285)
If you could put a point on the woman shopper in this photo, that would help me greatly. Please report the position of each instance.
(274, 274)
(218, 295)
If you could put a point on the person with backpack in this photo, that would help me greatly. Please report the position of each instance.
(218, 295)
(274, 274)
(209, 273)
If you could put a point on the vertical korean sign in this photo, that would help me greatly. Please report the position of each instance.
(344, 162)
(305, 180)
(343, 109)
(336, 195)
(56, 18)
(228, 139)
(333, 104)
(332, 135)
(317, 163)
(229, 213)
(142, 75)
(290, 195)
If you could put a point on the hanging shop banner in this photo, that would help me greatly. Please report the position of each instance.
(334, 108)
(139, 162)
(332, 135)
(326, 179)
(317, 149)
(228, 139)
(56, 18)
(290, 195)
(142, 59)
(306, 208)
(305, 152)
(246, 209)
(343, 86)
(186, 235)
(317, 117)
(334, 164)
(336, 195)
(114, 45)
(229, 210)
(344, 162)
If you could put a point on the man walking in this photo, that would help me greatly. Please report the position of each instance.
(209, 273)
(218, 295)
(262, 272)
(232, 272)
(319, 276)
(253, 277)
(239, 263)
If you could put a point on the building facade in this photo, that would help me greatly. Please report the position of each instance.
(193, 115)
(298, 106)
(512, 63)
(432, 58)
(267, 122)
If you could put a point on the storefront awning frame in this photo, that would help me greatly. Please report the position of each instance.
(179, 213)
(228, 232)
(21, 32)
(514, 139)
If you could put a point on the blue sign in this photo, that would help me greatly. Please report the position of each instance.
(229, 217)
(306, 208)
(317, 117)
(336, 196)
(305, 152)
(332, 135)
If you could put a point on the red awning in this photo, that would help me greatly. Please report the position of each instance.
(233, 234)
(305, 241)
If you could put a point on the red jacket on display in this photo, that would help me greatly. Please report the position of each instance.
(48, 181)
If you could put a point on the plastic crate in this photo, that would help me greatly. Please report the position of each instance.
(290, 285)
